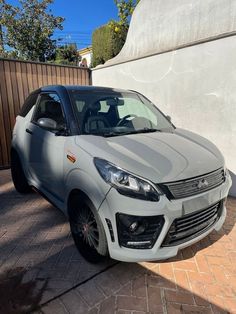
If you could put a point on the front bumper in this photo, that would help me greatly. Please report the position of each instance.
(117, 203)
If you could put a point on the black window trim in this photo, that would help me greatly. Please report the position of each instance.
(28, 108)
(79, 127)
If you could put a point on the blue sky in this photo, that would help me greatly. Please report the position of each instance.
(81, 18)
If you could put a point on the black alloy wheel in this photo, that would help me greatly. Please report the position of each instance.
(88, 232)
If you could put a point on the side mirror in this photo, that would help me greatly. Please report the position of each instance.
(168, 118)
(47, 123)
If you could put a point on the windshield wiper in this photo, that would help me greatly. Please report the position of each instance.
(105, 134)
(144, 130)
(110, 134)
(113, 133)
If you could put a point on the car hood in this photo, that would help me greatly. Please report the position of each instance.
(159, 157)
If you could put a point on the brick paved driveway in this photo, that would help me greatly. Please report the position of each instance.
(39, 265)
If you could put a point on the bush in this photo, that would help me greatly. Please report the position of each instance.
(107, 41)
(67, 55)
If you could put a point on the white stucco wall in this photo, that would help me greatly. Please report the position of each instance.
(195, 85)
(161, 25)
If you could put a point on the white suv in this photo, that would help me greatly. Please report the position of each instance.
(132, 185)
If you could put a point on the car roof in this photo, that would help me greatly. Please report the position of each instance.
(80, 88)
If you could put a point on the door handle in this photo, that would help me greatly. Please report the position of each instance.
(28, 131)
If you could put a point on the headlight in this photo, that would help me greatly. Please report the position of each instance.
(126, 183)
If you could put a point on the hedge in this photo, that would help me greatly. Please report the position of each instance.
(107, 41)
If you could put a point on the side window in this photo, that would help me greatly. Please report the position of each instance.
(29, 103)
(49, 106)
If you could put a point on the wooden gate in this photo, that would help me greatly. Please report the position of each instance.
(17, 80)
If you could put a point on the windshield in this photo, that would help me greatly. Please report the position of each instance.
(113, 114)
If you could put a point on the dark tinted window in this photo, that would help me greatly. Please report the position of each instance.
(29, 103)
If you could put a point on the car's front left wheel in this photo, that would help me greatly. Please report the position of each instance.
(87, 230)
(17, 173)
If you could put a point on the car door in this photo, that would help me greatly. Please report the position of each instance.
(46, 147)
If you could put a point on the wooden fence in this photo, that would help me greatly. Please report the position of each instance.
(17, 80)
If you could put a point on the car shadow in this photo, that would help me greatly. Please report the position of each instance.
(130, 282)
(37, 249)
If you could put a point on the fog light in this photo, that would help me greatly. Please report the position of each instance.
(133, 227)
(139, 244)
(138, 231)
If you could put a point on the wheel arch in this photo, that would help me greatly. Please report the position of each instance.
(13, 150)
(82, 199)
(79, 182)
(16, 151)
(18, 175)
(75, 193)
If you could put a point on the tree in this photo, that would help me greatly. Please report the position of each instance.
(108, 40)
(67, 54)
(125, 10)
(120, 28)
(28, 29)
(102, 45)
(1, 34)
(1, 41)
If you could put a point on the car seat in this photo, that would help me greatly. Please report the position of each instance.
(93, 122)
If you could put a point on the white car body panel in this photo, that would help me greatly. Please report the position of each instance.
(158, 157)
(171, 210)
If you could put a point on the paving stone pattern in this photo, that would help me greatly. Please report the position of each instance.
(35, 240)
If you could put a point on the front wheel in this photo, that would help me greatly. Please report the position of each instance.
(87, 231)
(18, 176)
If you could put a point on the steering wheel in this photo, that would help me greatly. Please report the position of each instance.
(123, 120)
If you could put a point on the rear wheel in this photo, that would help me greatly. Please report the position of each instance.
(87, 230)
(18, 176)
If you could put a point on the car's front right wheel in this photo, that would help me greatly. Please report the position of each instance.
(87, 230)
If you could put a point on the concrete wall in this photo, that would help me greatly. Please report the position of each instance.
(195, 85)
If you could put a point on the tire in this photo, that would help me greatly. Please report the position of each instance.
(18, 176)
(87, 230)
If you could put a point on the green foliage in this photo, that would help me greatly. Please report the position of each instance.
(67, 55)
(28, 28)
(125, 10)
(118, 34)
(101, 43)
(1, 33)
(1, 41)
(108, 40)
(9, 54)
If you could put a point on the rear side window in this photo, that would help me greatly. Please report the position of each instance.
(29, 103)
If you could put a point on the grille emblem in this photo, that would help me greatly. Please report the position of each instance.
(202, 184)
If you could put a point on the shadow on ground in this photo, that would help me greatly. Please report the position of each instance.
(38, 257)
(18, 295)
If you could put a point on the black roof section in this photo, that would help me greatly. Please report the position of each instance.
(81, 88)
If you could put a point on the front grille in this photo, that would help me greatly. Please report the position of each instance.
(192, 225)
(194, 186)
